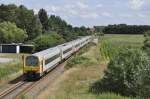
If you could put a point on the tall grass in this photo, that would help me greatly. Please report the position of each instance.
(111, 44)
(7, 69)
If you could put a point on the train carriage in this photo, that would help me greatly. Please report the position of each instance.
(66, 49)
(37, 64)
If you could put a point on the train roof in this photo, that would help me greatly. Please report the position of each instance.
(53, 49)
(47, 51)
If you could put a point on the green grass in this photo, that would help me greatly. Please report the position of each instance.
(10, 70)
(10, 55)
(112, 43)
(133, 39)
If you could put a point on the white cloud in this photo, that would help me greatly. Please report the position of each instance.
(69, 6)
(73, 12)
(141, 15)
(137, 4)
(89, 15)
(99, 5)
(82, 5)
(106, 14)
(52, 8)
(126, 15)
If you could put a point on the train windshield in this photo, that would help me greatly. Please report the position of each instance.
(31, 61)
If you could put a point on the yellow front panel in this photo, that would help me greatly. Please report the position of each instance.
(34, 69)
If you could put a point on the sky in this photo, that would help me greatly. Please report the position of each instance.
(92, 12)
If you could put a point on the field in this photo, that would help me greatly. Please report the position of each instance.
(111, 44)
(87, 68)
(10, 70)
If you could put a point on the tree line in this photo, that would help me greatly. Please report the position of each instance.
(19, 24)
(122, 29)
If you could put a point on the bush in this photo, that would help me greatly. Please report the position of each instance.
(47, 40)
(128, 73)
(147, 42)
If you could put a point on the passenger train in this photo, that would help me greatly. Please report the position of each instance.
(36, 65)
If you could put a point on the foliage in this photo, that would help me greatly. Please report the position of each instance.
(99, 30)
(125, 29)
(23, 17)
(43, 19)
(127, 73)
(35, 25)
(47, 40)
(147, 42)
(66, 30)
(11, 33)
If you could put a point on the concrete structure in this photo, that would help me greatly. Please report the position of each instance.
(16, 48)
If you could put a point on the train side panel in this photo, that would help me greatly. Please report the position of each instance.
(52, 60)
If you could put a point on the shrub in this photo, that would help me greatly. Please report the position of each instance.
(147, 42)
(128, 73)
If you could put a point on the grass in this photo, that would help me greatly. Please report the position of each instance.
(111, 44)
(10, 55)
(10, 70)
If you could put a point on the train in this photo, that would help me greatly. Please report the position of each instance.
(40, 63)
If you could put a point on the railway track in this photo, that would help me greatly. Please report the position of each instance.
(21, 88)
(13, 90)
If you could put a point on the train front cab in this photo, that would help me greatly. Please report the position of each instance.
(31, 67)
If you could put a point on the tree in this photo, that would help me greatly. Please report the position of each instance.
(28, 21)
(23, 17)
(36, 27)
(47, 40)
(126, 29)
(44, 19)
(8, 12)
(10, 33)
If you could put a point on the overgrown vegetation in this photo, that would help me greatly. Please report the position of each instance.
(127, 74)
(9, 71)
(146, 46)
(128, 70)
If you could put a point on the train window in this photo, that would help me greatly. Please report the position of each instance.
(31, 61)
(52, 58)
(67, 50)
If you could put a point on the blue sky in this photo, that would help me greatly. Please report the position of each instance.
(92, 12)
